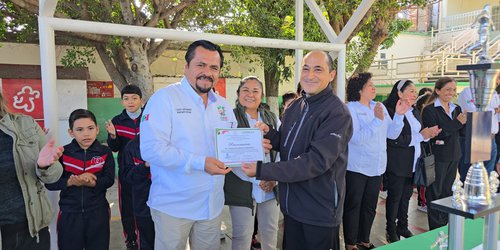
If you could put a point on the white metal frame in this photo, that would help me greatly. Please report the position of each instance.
(47, 24)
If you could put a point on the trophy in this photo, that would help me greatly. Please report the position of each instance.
(483, 77)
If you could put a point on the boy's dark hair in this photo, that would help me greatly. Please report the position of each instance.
(356, 84)
(206, 45)
(79, 114)
(131, 89)
(423, 90)
(288, 96)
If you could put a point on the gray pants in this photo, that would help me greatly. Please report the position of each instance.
(172, 233)
(243, 221)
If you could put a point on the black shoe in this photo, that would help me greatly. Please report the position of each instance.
(132, 245)
(404, 232)
(363, 247)
(392, 237)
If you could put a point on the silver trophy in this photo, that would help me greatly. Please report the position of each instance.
(483, 77)
(477, 186)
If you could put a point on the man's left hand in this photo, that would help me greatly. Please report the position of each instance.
(250, 169)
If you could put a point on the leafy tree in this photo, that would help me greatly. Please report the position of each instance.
(262, 18)
(269, 19)
(379, 27)
(126, 59)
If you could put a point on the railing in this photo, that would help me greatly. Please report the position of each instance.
(420, 68)
(460, 21)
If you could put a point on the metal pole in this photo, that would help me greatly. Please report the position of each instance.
(299, 37)
(490, 236)
(455, 232)
(341, 61)
(181, 35)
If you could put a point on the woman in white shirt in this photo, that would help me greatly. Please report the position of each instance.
(367, 158)
(241, 191)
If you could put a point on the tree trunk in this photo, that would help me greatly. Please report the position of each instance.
(378, 36)
(140, 68)
(271, 84)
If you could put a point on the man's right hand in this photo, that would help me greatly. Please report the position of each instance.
(214, 166)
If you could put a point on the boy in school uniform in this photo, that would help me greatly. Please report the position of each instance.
(89, 170)
(138, 174)
(121, 129)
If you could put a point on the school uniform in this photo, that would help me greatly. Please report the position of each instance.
(367, 160)
(402, 155)
(139, 176)
(83, 220)
(126, 130)
(447, 152)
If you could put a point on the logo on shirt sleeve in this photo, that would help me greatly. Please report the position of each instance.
(145, 117)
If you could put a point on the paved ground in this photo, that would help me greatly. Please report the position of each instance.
(417, 220)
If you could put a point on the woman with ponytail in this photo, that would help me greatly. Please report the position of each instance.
(442, 112)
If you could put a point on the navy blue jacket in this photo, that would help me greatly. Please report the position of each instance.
(138, 175)
(97, 159)
(312, 142)
(126, 130)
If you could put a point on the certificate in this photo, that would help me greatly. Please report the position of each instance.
(238, 145)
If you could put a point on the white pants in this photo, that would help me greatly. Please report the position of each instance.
(172, 232)
(243, 221)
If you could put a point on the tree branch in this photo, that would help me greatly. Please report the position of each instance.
(118, 78)
(29, 5)
(126, 10)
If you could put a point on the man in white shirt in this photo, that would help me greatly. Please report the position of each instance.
(466, 102)
(178, 140)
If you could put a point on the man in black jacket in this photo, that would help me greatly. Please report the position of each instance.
(312, 142)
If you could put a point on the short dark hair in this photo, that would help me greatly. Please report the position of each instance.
(355, 84)
(423, 90)
(79, 114)
(131, 89)
(288, 96)
(206, 45)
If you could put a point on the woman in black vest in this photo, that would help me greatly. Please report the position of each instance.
(402, 155)
(440, 111)
(241, 191)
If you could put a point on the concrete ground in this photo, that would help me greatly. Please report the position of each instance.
(417, 221)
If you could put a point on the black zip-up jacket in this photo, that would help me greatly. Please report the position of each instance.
(312, 142)
(126, 130)
(97, 159)
(400, 155)
(138, 175)
(450, 133)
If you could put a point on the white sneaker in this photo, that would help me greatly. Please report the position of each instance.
(422, 209)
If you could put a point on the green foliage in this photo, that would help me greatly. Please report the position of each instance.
(17, 23)
(360, 48)
(78, 57)
(395, 28)
(261, 18)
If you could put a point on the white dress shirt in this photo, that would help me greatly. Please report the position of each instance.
(177, 134)
(368, 145)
